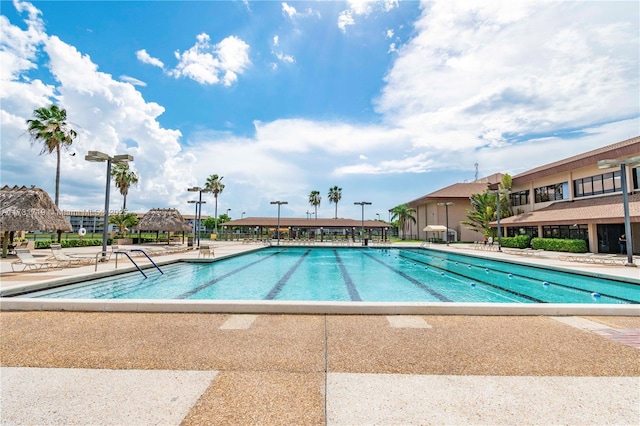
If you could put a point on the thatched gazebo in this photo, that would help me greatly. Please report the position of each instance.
(168, 220)
(28, 209)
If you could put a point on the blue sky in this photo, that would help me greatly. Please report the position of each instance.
(389, 100)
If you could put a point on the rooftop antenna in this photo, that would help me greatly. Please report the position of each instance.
(476, 166)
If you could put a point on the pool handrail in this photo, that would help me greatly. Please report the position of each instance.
(147, 256)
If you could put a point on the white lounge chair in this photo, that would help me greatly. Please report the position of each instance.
(26, 259)
(69, 259)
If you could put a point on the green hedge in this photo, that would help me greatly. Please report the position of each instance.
(557, 244)
(519, 241)
(45, 244)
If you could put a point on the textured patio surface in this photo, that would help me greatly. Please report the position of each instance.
(315, 369)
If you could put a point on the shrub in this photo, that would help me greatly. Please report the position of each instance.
(87, 242)
(519, 241)
(557, 244)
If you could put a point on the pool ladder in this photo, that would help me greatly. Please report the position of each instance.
(134, 263)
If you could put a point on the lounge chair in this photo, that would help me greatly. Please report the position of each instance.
(577, 257)
(26, 259)
(69, 259)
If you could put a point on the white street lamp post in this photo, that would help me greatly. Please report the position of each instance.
(446, 214)
(100, 157)
(362, 204)
(498, 192)
(200, 203)
(279, 203)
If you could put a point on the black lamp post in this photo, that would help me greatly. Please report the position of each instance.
(100, 157)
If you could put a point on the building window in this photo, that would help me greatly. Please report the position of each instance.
(520, 198)
(551, 192)
(572, 232)
(599, 184)
(531, 231)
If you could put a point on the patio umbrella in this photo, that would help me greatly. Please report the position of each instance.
(169, 220)
(28, 209)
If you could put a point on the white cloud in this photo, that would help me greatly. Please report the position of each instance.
(345, 19)
(132, 80)
(282, 57)
(480, 74)
(213, 64)
(389, 34)
(392, 48)
(290, 11)
(145, 58)
(363, 8)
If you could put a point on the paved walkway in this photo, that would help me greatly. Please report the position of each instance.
(104, 368)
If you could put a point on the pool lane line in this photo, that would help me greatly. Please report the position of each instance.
(351, 288)
(535, 280)
(515, 293)
(278, 287)
(106, 289)
(417, 283)
(222, 277)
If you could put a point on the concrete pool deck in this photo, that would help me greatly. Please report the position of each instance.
(198, 369)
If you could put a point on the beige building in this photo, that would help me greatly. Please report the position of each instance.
(574, 198)
(570, 198)
(448, 206)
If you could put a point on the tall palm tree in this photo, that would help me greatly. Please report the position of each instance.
(49, 126)
(124, 177)
(215, 185)
(335, 195)
(404, 214)
(314, 200)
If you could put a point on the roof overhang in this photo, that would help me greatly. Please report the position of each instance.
(435, 228)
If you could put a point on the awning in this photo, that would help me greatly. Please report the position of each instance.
(435, 228)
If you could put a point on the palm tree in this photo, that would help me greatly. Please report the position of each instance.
(314, 200)
(335, 195)
(124, 220)
(483, 212)
(124, 177)
(215, 185)
(404, 214)
(485, 208)
(50, 127)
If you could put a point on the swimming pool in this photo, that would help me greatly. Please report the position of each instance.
(360, 275)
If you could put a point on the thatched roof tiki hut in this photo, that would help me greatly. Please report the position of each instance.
(28, 209)
(169, 220)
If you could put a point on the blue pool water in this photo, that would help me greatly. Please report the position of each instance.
(355, 274)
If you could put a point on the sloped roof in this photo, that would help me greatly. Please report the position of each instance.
(29, 209)
(457, 190)
(169, 220)
(603, 209)
(626, 148)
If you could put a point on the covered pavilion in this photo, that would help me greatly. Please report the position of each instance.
(296, 228)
